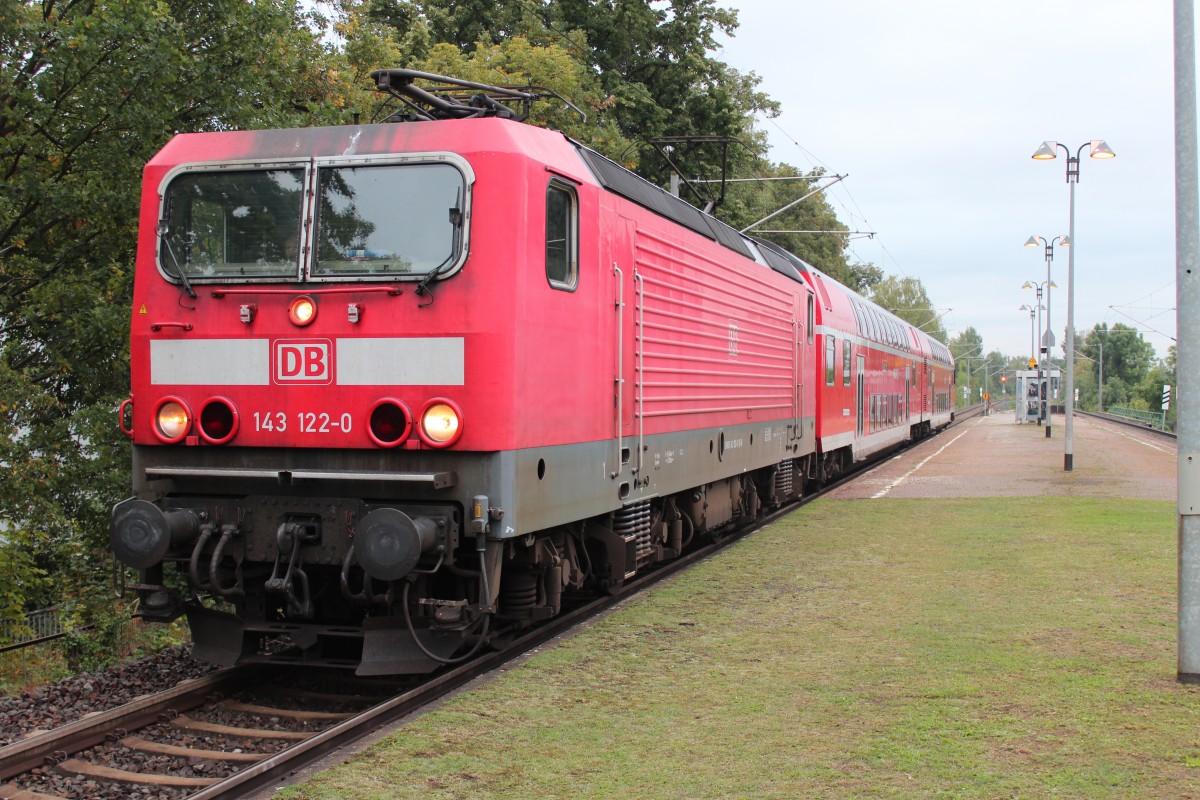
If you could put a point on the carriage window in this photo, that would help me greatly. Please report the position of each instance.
(231, 223)
(846, 363)
(830, 359)
(562, 236)
(396, 220)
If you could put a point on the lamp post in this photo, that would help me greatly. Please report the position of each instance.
(1043, 402)
(1048, 337)
(1098, 148)
(1032, 337)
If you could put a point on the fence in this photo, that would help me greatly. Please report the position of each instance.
(1154, 419)
(38, 626)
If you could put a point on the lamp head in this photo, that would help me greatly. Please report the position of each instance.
(1064, 241)
(1047, 152)
(1027, 285)
(1032, 241)
(1100, 149)
(1053, 285)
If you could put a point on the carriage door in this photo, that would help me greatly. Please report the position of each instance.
(907, 390)
(860, 380)
(926, 390)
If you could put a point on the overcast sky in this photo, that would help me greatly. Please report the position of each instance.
(933, 109)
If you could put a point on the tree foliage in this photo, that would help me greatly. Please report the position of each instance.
(1126, 355)
(908, 300)
(1133, 377)
(90, 90)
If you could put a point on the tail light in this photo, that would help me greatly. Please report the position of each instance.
(218, 421)
(390, 423)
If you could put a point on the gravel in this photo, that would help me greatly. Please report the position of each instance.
(70, 699)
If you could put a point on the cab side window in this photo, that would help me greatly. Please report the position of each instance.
(562, 236)
(810, 319)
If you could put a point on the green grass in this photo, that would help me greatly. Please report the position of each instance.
(860, 649)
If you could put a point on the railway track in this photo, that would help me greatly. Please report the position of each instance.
(185, 739)
(81, 749)
(238, 730)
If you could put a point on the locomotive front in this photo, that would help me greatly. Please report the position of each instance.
(301, 420)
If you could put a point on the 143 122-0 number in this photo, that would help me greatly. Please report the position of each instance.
(305, 422)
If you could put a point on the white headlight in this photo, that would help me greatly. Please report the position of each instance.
(441, 423)
(172, 420)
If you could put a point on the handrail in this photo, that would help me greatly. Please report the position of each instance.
(639, 381)
(620, 381)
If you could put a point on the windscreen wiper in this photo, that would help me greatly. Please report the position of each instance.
(179, 273)
(456, 219)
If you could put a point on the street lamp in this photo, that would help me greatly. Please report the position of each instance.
(1048, 150)
(1034, 241)
(1043, 408)
(1032, 339)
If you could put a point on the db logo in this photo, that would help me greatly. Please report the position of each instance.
(302, 361)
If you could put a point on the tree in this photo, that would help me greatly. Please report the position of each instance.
(90, 90)
(907, 299)
(518, 61)
(967, 349)
(748, 203)
(1126, 357)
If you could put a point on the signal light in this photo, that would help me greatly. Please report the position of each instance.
(302, 311)
(441, 423)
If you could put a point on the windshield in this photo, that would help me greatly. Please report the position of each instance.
(232, 223)
(388, 220)
(385, 221)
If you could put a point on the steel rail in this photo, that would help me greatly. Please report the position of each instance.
(27, 754)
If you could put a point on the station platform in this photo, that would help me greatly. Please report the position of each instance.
(995, 456)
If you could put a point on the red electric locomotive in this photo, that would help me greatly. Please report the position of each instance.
(398, 388)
